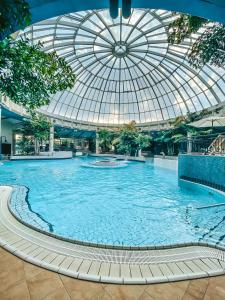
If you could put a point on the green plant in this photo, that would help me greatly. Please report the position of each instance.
(130, 140)
(37, 126)
(14, 14)
(180, 130)
(126, 141)
(209, 46)
(143, 141)
(183, 26)
(105, 138)
(29, 76)
(26, 145)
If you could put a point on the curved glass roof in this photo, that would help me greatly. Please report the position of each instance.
(125, 68)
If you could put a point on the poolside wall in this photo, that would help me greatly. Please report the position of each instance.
(169, 162)
(205, 169)
(7, 131)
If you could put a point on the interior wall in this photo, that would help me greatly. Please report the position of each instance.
(166, 163)
(7, 131)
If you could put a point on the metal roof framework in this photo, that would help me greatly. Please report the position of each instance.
(125, 69)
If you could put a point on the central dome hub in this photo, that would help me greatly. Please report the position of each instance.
(120, 50)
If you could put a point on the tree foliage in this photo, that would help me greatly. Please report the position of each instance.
(38, 126)
(126, 140)
(130, 140)
(180, 129)
(209, 46)
(105, 137)
(183, 26)
(29, 76)
(14, 14)
(143, 141)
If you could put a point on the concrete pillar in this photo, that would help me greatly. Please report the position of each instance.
(139, 153)
(189, 143)
(97, 144)
(36, 147)
(83, 144)
(51, 140)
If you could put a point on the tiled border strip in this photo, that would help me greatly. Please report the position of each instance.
(20, 208)
(210, 184)
(106, 265)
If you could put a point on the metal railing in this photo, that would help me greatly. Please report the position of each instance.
(212, 144)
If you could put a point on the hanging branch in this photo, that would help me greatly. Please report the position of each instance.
(14, 14)
(183, 26)
(29, 76)
(208, 48)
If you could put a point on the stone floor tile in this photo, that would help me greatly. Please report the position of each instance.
(23, 281)
(146, 296)
(7, 260)
(196, 289)
(16, 292)
(167, 291)
(2, 251)
(125, 292)
(216, 289)
(31, 270)
(43, 284)
(80, 289)
(10, 274)
(59, 294)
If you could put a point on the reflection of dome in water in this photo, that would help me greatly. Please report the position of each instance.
(106, 164)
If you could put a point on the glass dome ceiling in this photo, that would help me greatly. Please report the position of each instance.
(125, 69)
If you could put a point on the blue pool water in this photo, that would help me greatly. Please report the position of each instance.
(136, 205)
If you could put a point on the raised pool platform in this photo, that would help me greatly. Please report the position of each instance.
(124, 266)
(44, 156)
(208, 170)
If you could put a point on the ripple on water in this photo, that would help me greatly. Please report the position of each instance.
(136, 205)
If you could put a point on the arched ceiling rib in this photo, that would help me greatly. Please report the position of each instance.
(125, 68)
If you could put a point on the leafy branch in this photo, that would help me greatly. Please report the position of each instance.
(29, 76)
(183, 26)
(37, 126)
(14, 14)
(209, 46)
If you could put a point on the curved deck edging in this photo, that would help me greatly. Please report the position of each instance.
(106, 265)
(20, 208)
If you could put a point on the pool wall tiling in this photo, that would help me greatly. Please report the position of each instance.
(20, 207)
(205, 169)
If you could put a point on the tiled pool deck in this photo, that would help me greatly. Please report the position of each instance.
(105, 265)
(20, 280)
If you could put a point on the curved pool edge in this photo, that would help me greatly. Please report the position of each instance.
(106, 265)
(47, 228)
